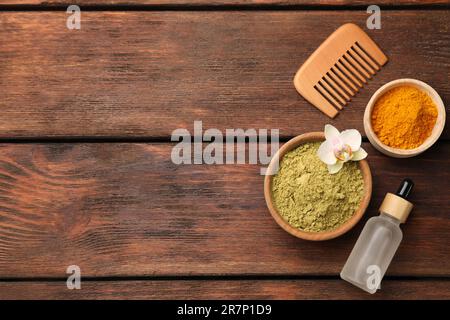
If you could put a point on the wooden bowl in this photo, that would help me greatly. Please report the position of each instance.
(315, 236)
(405, 153)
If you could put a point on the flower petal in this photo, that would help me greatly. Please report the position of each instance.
(334, 168)
(352, 137)
(359, 155)
(331, 132)
(326, 154)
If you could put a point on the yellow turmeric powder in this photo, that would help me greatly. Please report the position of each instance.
(404, 117)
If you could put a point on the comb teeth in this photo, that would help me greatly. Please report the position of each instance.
(373, 63)
(351, 71)
(336, 71)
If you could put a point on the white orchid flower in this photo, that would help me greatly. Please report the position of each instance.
(340, 147)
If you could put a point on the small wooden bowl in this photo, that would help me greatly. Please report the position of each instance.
(405, 153)
(315, 236)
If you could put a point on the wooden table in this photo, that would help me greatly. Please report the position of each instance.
(86, 176)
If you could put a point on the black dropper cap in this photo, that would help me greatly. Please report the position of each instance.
(405, 188)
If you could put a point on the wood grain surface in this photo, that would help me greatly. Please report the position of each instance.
(249, 3)
(123, 209)
(144, 74)
(141, 227)
(225, 289)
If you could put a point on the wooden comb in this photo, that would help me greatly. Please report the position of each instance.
(338, 68)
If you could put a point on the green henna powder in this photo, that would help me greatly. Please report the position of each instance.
(308, 197)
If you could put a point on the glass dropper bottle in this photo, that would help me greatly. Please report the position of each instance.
(378, 241)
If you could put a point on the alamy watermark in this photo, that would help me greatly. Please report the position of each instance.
(374, 279)
(74, 20)
(192, 149)
(374, 20)
(74, 278)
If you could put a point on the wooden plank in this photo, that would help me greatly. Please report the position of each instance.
(226, 289)
(140, 74)
(126, 210)
(172, 3)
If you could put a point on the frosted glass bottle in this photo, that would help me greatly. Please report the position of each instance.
(378, 241)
